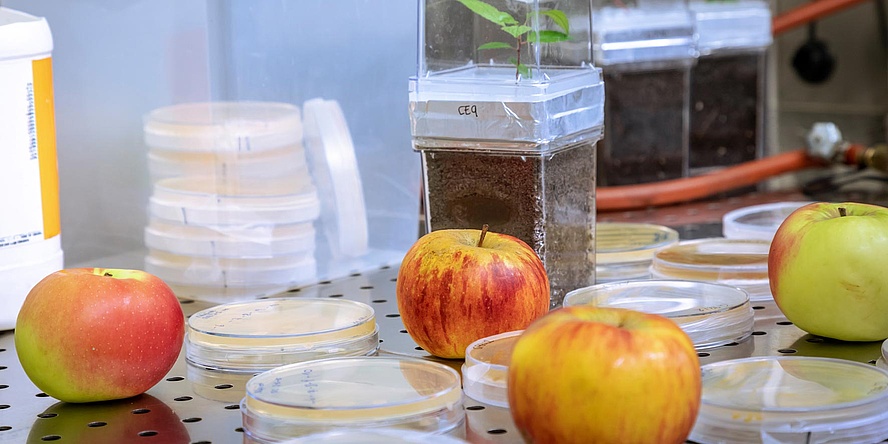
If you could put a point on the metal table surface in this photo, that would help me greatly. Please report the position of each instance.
(189, 407)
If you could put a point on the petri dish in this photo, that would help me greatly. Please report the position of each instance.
(279, 162)
(711, 314)
(231, 271)
(237, 126)
(259, 335)
(331, 155)
(207, 201)
(231, 241)
(882, 362)
(757, 221)
(376, 436)
(792, 399)
(625, 250)
(327, 394)
(486, 368)
(741, 263)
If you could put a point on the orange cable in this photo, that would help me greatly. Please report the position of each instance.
(627, 197)
(808, 12)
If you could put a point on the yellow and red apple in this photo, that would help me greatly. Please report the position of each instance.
(827, 270)
(586, 374)
(457, 286)
(95, 334)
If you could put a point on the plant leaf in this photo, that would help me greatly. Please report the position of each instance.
(559, 17)
(516, 30)
(523, 70)
(496, 45)
(548, 37)
(489, 12)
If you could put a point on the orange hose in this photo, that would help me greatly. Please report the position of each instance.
(808, 12)
(627, 197)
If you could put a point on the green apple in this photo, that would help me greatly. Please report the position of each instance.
(587, 374)
(457, 286)
(827, 270)
(96, 334)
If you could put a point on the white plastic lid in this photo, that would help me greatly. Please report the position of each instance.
(792, 399)
(23, 35)
(738, 24)
(711, 314)
(289, 160)
(260, 335)
(375, 436)
(225, 272)
(737, 262)
(332, 158)
(486, 368)
(315, 396)
(223, 126)
(230, 240)
(624, 250)
(205, 201)
(757, 221)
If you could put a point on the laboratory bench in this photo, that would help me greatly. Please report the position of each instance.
(189, 407)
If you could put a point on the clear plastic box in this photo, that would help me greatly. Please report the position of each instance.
(792, 399)
(728, 83)
(711, 314)
(328, 394)
(645, 50)
(508, 138)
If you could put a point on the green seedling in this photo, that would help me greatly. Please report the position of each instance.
(521, 32)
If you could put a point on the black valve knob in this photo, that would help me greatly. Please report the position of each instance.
(813, 61)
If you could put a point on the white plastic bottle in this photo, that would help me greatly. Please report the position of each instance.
(30, 229)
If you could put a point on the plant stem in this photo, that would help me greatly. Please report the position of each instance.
(518, 60)
(483, 233)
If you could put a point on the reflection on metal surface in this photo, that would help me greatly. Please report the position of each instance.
(205, 409)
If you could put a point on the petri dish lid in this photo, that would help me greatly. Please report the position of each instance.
(263, 334)
(226, 272)
(207, 201)
(380, 435)
(711, 314)
(332, 158)
(229, 240)
(757, 221)
(223, 126)
(623, 244)
(486, 368)
(353, 392)
(792, 399)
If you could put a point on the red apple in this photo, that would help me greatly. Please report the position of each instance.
(457, 286)
(827, 270)
(587, 374)
(95, 334)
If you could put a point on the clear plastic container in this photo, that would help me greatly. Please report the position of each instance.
(711, 314)
(645, 50)
(792, 399)
(757, 221)
(507, 127)
(624, 251)
(260, 335)
(486, 368)
(741, 263)
(317, 396)
(728, 88)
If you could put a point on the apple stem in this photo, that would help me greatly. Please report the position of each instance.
(842, 212)
(108, 274)
(483, 233)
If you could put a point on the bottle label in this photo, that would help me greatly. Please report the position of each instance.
(29, 190)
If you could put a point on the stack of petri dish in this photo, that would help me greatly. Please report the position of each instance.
(711, 314)
(233, 206)
(741, 263)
